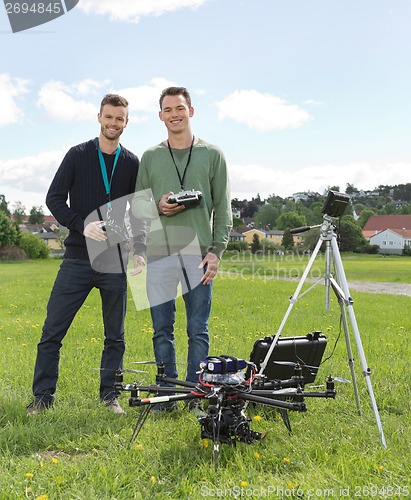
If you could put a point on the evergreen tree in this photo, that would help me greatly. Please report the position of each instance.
(255, 245)
(4, 205)
(287, 240)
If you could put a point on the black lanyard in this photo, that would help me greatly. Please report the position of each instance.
(181, 178)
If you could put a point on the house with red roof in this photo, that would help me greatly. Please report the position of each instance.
(390, 232)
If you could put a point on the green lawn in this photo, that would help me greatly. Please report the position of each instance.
(395, 269)
(80, 451)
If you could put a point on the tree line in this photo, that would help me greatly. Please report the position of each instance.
(306, 210)
(15, 245)
(271, 213)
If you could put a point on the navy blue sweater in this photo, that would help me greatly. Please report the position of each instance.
(78, 189)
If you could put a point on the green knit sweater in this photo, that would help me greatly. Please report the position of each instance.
(211, 220)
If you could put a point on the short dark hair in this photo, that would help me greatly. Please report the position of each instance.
(175, 91)
(114, 100)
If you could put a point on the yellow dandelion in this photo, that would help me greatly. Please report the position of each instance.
(29, 475)
(42, 497)
(244, 484)
(256, 456)
(381, 468)
(256, 418)
(54, 460)
(291, 486)
(153, 479)
(205, 443)
(138, 447)
(286, 460)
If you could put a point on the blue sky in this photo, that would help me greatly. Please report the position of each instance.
(300, 95)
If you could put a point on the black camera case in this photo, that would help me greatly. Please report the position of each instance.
(306, 350)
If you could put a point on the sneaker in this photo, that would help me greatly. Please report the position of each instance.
(36, 407)
(196, 408)
(113, 405)
(164, 407)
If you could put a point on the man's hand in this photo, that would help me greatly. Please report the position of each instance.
(94, 231)
(168, 209)
(212, 262)
(139, 265)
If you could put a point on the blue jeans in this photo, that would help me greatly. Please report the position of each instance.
(163, 277)
(73, 283)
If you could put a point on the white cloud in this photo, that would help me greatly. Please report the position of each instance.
(132, 10)
(313, 102)
(89, 86)
(145, 98)
(60, 102)
(261, 111)
(31, 173)
(28, 179)
(248, 180)
(10, 90)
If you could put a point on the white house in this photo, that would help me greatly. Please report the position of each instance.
(391, 241)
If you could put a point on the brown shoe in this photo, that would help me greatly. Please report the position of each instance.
(36, 407)
(114, 406)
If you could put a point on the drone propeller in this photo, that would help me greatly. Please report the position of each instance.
(295, 363)
(341, 379)
(285, 363)
(333, 379)
(156, 363)
(118, 370)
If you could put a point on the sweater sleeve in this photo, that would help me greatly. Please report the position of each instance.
(57, 195)
(222, 217)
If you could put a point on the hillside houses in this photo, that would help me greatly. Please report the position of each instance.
(274, 236)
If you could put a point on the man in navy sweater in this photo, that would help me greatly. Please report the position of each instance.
(98, 177)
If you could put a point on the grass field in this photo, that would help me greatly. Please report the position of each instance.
(80, 451)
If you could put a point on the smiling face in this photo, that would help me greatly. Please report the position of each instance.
(176, 114)
(113, 120)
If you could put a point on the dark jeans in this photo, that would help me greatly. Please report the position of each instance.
(74, 281)
(163, 278)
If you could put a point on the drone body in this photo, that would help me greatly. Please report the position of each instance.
(227, 385)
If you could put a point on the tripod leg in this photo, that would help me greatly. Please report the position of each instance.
(293, 300)
(342, 281)
(350, 355)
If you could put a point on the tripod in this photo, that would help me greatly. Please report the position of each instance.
(340, 288)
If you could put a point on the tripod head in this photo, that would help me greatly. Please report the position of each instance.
(333, 208)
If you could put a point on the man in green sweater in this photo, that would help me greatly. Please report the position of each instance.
(192, 237)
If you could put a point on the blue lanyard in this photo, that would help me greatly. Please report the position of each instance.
(103, 167)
